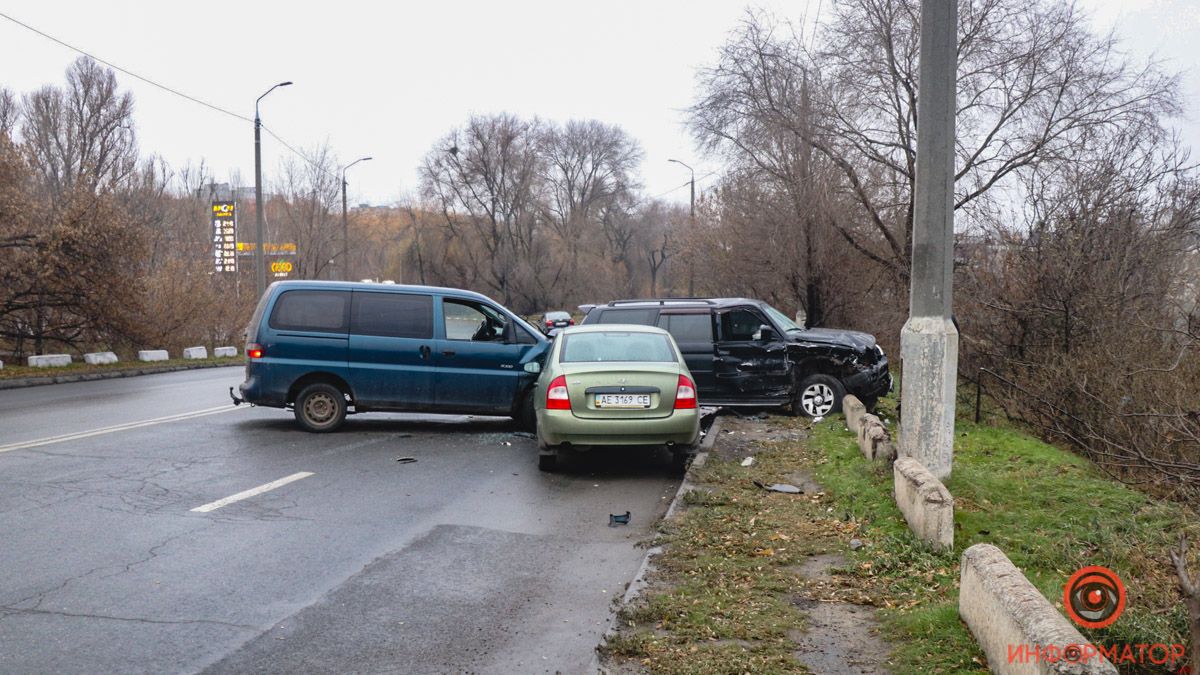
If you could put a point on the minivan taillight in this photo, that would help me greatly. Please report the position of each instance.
(557, 397)
(254, 351)
(685, 394)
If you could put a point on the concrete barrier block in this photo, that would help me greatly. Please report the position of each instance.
(854, 410)
(925, 503)
(195, 353)
(153, 355)
(866, 421)
(1011, 620)
(871, 438)
(224, 351)
(99, 358)
(49, 361)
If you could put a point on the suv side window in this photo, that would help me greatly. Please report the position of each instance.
(639, 317)
(688, 328)
(397, 315)
(741, 325)
(317, 311)
(465, 320)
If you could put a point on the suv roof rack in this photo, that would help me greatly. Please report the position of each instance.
(662, 301)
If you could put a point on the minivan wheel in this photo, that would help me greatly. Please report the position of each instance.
(320, 408)
(818, 396)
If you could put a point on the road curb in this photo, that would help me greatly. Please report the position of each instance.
(638, 584)
(23, 382)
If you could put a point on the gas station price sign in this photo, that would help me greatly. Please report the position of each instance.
(224, 236)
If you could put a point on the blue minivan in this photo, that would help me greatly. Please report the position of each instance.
(329, 348)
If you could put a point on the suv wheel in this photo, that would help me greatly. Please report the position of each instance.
(818, 396)
(320, 408)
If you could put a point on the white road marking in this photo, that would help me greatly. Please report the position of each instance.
(113, 429)
(246, 494)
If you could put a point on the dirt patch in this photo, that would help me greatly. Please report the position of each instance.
(841, 638)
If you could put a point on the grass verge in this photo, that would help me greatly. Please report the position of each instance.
(724, 598)
(13, 372)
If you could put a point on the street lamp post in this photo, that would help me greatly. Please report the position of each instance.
(691, 263)
(260, 261)
(345, 225)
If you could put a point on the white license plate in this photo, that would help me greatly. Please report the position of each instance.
(622, 400)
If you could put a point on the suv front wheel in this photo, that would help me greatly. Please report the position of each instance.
(818, 396)
(320, 407)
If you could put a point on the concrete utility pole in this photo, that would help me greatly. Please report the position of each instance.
(691, 265)
(929, 340)
(345, 227)
(260, 259)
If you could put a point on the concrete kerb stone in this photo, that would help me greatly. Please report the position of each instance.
(854, 410)
(926, 504)
(1008, 615)
(195, 353)
(49, 361)
(153, 355)
(99, 358)
(222, 352)
(874, 440)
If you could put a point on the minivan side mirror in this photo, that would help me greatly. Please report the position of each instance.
(533, 367)
(766, 333)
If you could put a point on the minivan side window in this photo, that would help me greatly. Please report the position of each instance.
(318, 311)
(466, 320)
(687, 328)
(740, 325)
(398, 315)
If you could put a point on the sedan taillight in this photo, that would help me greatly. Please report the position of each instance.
(685, 394)
(557, 397)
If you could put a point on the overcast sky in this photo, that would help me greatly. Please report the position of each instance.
(389, 79)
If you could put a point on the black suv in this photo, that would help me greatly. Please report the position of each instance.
(747, 353)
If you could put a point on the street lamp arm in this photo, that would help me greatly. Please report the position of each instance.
(686, 166)
(281, 84)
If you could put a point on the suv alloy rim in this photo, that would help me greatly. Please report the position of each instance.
(817, 399)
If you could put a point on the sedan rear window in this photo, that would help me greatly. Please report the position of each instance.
(616, 346)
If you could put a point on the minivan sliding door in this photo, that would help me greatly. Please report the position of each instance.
(391, 342)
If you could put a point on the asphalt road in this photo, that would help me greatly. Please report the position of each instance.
(467, 560)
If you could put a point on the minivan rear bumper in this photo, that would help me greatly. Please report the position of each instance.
(253, 391)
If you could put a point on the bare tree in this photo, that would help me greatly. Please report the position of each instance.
(485, 179)
(82, 135)
(1034, 85)
(306, 211)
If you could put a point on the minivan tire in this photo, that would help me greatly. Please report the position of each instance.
(818, 395)
(320, 408)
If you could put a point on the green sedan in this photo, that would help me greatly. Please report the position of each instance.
(613, 384)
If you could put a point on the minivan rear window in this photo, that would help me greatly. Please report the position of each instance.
(320, 311)
(392, 315)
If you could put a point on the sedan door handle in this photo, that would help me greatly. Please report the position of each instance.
(448, 353)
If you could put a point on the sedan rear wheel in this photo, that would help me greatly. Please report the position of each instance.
(818, 395)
